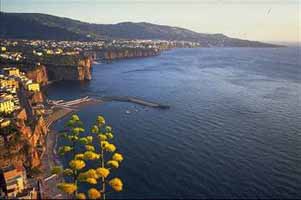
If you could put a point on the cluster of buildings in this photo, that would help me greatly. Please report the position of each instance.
(13, 86)
(64, 47)
(39, 48)
(55, 51)
(14, 184)
(150, 44)
(20, 50)
(11, 81)
(14, 56)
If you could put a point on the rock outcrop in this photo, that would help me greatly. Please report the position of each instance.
(84, 69)
(38, 74)
(37, 98)
(25, 144)
(79, 70)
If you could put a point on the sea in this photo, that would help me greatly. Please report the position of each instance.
(233, 129)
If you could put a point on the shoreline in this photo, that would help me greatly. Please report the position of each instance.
(49, 157)
(59, 110)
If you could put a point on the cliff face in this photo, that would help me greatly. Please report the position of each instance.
(84, 69)
(39, 75)
(24, 145)
(113, 54)
(58, 68)
(79, 71)
(34, 139)
(38, 140)
(37, 98)
(25, 142)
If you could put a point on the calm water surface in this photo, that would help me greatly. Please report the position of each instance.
(233, 130)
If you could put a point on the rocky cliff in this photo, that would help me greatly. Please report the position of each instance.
(55, 68)
(38, 74)
(113, 54)
(24, 140)
(25, 144)
(84, 69)
(37, 98)
(79, 69)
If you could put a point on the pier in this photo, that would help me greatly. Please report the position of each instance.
(62, 108)
(135, 100)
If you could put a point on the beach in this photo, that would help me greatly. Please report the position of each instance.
(49, 157)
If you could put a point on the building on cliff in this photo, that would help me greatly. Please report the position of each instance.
(13, 184)
(4, 122)
(9, 87)
(11, 71)
(23, 108)
(13, 180)
(33, 87)
(6, 106)
(8, 82)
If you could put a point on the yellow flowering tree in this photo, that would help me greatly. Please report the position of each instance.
(105, 157)
(73, 137)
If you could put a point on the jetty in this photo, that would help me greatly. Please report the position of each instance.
(134, 100)
(74, 104)
(61, 108)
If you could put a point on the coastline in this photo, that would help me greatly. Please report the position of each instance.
(49, 157)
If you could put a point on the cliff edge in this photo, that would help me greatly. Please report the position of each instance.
(69, 68)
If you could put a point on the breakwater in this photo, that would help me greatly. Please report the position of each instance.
(77, 103)
(135, 100)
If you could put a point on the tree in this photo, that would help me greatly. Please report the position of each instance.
(103, 154)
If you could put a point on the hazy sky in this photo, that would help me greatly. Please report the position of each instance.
(265, 20)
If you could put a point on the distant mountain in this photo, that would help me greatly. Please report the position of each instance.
(48, 27)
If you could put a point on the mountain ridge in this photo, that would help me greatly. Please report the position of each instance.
(50, 27)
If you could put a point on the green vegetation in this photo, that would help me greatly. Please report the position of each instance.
(82, 151)
(41, 26)
(60, 60)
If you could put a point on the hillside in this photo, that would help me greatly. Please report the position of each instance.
(48, 27)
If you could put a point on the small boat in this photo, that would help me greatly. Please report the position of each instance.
(128, 112)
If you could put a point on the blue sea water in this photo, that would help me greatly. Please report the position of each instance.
(233, 129)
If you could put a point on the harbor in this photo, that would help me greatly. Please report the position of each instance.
(59, 109)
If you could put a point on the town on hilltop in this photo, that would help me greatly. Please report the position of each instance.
(18, 50)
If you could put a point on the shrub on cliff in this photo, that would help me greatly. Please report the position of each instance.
(82, 152)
